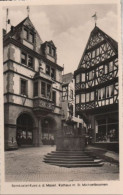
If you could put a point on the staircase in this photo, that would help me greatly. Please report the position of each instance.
(72, 159)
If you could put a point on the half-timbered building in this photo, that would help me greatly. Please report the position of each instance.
(96, 86)
(69, 119)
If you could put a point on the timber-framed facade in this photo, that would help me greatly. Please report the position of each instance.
(96, 87)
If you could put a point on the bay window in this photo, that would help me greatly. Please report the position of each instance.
(43, 86)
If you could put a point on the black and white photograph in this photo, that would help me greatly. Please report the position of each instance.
(61, 81)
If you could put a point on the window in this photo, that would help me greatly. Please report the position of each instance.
(93, 54)
(101, 94)
(109, 91)
(48, 91)
(71, 94)
(49, 49)
(65, 93)
(27, 60)
(106, 69)
(31, 38)
(87, 97)
(23, 87)
(23, 58)
(83, 98)
(91, 75)
(30, 62)
(35, 89)
(53, 52)
(77, 99)
(78, 78)
(43, 86)
(54, 97)
(25, 34)
(52, 73)
(111, 67)
(47, 69)
(83, 77)
(92, 96)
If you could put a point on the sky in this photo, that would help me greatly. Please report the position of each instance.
(68, 26)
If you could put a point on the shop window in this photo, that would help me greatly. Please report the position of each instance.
(23, 87)
(54, 97)
(35, 89)
(47, 69)
(43, 87)
(23, 58)
(30, 62)
(52, 73)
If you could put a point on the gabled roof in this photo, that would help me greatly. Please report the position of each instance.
(67, 78)
(18, 26)
(112, 42)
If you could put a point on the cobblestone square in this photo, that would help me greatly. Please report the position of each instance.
(26, 165)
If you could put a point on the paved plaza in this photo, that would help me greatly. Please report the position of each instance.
(26, 164)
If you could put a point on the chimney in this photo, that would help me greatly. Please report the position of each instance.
(4, 32)
(12, 28)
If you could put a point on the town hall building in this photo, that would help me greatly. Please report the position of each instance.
(32, 87)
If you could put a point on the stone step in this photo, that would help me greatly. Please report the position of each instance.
(71, 162)
(72, 159)
(78, 165)
(66, 155)
(68, 158)
(70, 151)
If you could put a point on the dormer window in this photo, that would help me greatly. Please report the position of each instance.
(49, 50)
(25, 34)
(53, 52)
(31, 37)
(28, 35)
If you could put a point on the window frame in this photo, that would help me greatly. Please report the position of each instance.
(27, 60)
(35, 94)
(26, 87)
